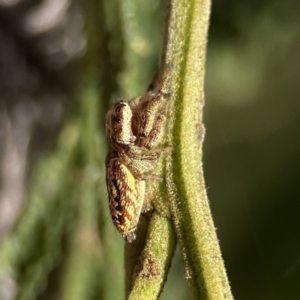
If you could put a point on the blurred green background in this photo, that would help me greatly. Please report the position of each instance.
(63, 63)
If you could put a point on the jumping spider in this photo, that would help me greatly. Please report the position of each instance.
(134, 129)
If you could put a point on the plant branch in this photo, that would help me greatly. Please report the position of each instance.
(185, 50)
(151, 270)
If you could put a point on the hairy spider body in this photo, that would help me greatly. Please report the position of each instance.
(133, 129)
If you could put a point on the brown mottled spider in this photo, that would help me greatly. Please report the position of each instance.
(134, 129)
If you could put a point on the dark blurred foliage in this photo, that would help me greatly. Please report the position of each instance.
(58, 58)
(252, 143)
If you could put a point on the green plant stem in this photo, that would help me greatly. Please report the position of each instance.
(133, 251)
(185, 51)
(151, 270)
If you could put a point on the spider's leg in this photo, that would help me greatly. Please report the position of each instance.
(164, 82)
(153, 104)
(137, 153)
(153, 83)
(155, 135)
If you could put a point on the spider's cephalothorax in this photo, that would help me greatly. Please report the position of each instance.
(133, 129)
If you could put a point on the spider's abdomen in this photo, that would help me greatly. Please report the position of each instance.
(124, 203)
